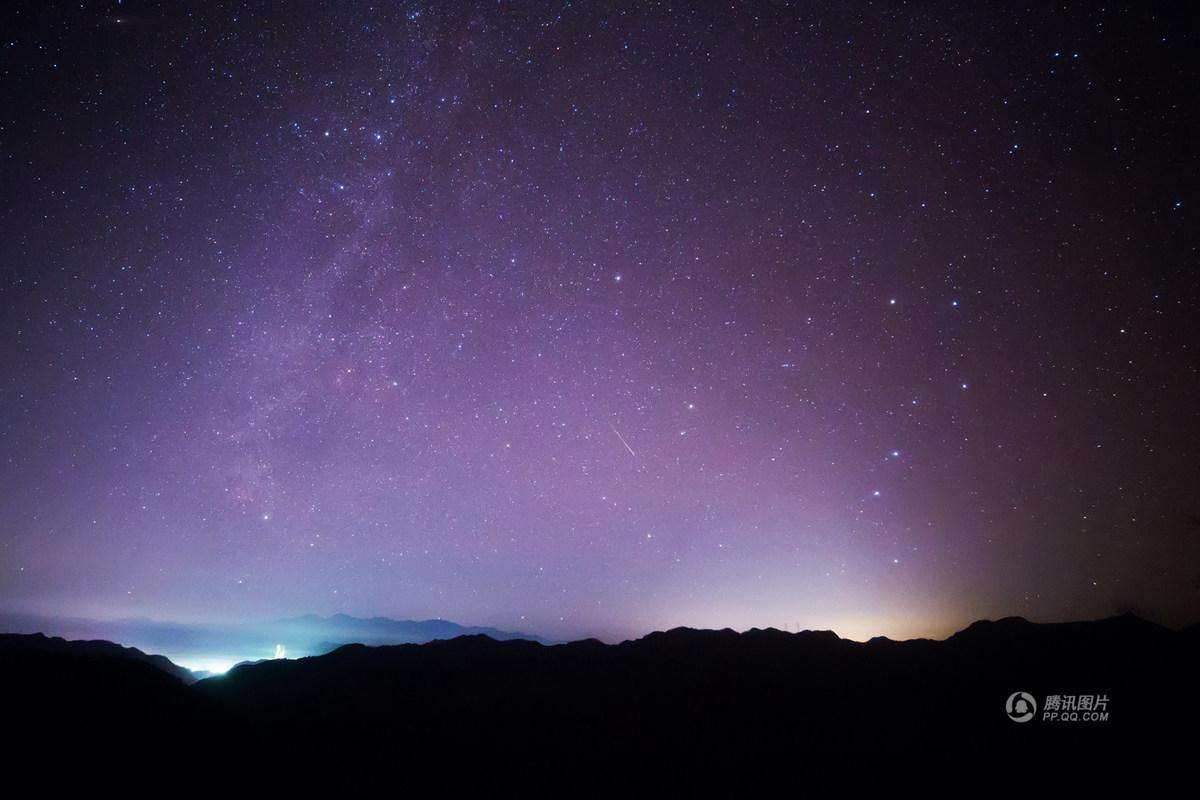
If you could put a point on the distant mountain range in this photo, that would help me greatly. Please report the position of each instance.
(343, 629)
(682, 697)
(206, 646)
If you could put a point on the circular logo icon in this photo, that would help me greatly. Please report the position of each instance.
(1020, 706)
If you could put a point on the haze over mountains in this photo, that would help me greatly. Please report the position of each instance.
(214, 648)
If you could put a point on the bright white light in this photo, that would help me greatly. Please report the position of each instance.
(213, 666)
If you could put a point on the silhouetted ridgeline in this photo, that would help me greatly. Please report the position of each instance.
(39, 643)
(694, 696)
(302, 636)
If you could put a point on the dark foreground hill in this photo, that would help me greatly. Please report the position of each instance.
(11, 643)
(63, 699)
(679, 697)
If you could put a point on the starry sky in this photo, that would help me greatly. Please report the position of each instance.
(598, 318)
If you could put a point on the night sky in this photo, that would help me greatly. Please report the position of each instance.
(594, 319)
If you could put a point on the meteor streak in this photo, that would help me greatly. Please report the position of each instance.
(622, 438)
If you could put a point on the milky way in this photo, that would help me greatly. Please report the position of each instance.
(590, 319)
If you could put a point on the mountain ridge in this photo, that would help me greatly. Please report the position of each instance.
(689, 695)
(426, 629)
(95, 647)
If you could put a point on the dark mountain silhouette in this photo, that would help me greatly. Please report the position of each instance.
(66, 701)
(681, 697)
(251, 641)
(37, 642)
